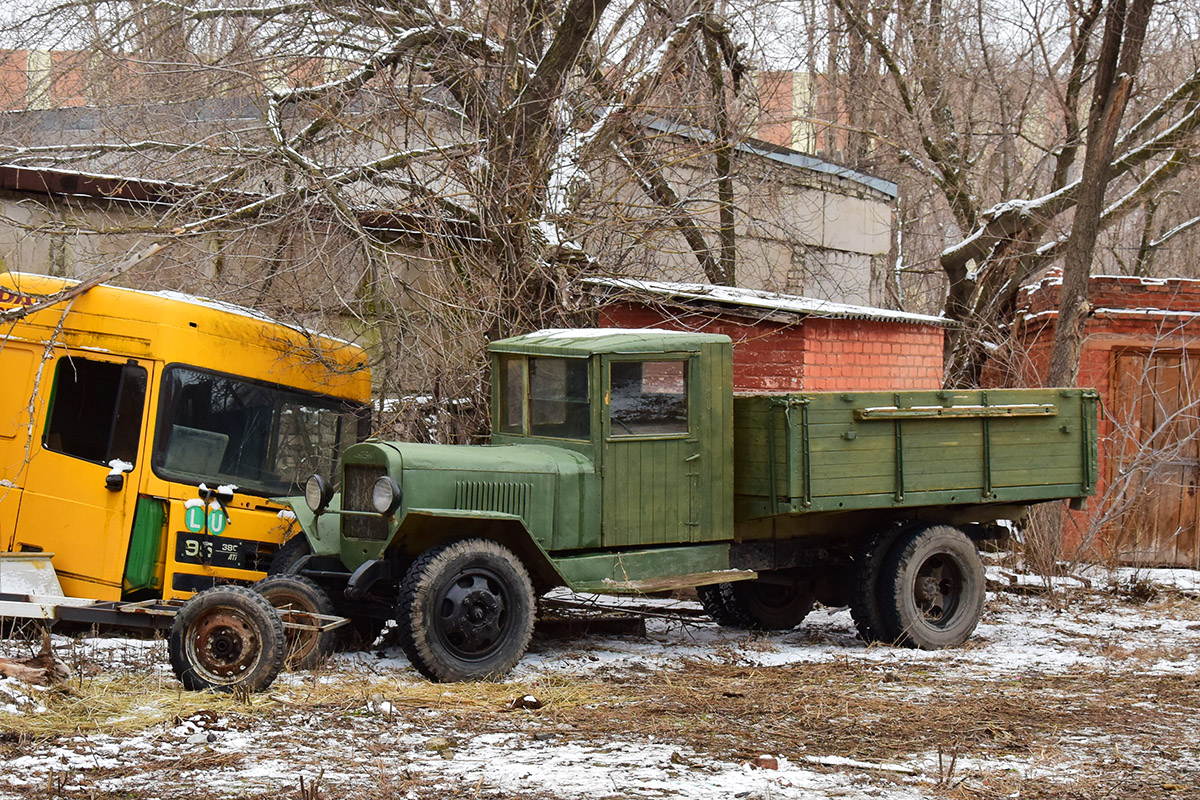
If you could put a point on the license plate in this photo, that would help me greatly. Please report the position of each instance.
(215, 551)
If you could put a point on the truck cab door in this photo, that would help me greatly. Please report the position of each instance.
(652, 454)
(80, 482)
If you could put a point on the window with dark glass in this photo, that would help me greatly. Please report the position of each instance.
(558, 398)
(265, 439)
(648, 398)
(96, 410)
(512, 394)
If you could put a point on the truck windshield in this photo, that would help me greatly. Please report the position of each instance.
(544, 397)
(265, 439)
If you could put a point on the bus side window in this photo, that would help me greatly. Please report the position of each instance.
(96, 410)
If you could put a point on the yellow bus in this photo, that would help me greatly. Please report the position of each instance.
(118, 405)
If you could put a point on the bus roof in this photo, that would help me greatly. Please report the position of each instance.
(173, 327)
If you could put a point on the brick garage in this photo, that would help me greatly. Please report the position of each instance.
(1141, 351)
(785, 343)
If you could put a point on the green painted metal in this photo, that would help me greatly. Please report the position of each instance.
(145, 544)
(621, 571)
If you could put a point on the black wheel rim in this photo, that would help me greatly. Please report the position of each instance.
(774, 596)
(938, 589)
(472, 616)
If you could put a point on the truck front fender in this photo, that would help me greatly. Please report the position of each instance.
(423, 528)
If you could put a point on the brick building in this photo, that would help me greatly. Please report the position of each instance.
(786, 343)
(1141, 351)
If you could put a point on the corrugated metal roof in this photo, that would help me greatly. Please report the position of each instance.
(643, 290)
(784, 155)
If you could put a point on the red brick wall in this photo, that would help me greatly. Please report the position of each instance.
(14, 82)
(1128, 314)
(815, 355)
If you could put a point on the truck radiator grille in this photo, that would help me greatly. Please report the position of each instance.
(505, 498)
(356, 496)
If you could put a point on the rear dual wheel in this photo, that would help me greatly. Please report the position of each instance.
(920, 587)
(931, 589)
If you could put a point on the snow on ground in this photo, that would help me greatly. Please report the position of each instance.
(376, 741)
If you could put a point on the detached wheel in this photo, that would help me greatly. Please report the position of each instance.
(932, 589)
(227, 637)
(757, 604)
(302, 597)
(465, 611)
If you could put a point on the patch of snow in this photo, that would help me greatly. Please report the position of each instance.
(119, 467)
(773, 301)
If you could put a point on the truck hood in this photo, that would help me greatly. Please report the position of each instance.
(521, 459)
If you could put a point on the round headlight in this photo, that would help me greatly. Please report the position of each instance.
(317, 493)
(385, 495)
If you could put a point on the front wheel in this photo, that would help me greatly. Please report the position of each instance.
(931, 589)
(465, 611)
(224, 638)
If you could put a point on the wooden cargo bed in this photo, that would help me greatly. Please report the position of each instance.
(819, 452)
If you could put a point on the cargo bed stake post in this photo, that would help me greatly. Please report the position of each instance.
(899, 442)
(799, 480)
(988, 494)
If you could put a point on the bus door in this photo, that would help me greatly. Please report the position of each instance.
(81, 483)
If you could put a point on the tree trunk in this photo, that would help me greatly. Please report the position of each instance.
(1120, 53)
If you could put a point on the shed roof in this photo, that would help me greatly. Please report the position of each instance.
(736, 297)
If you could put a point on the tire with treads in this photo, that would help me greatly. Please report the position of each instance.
(465, 611)
(931, 588)
(226, 638)
(295, 593)
(288, 554)
(757, 604)
(717, 600)
(864, 585)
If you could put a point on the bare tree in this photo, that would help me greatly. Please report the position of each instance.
(983, 110)
(425, 171)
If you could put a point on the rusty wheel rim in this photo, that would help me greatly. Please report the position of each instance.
(222, 646)
(938, 589)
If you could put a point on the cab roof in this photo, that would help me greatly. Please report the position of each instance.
(580, 342)
(177, 327)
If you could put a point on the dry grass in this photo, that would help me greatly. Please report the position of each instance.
(1118, 732)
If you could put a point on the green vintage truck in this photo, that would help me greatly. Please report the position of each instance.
(622, 462)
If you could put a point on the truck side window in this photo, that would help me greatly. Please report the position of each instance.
(648, 398)
(512, 394)
(558, 398)
(96, 410)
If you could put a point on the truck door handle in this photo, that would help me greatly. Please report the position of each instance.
(692, 458)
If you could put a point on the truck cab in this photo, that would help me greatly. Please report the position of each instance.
(118, 405)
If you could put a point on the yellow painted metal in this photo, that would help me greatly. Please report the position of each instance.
(53, 502)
